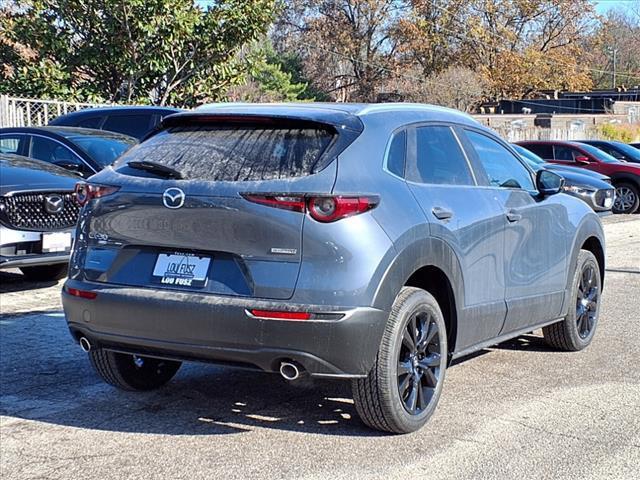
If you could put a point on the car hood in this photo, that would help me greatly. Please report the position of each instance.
(574, 170)
(20, 173)
(580, 179)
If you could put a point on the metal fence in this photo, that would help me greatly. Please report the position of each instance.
(26, 112)
(554, 133)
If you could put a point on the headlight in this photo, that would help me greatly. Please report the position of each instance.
(578, 189)
(609, 198)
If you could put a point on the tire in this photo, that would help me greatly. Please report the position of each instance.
(627, 198)
(132, 372)
(576, 331)
(45, 272)
(377, 397)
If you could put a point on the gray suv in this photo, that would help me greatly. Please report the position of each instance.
(370, 243)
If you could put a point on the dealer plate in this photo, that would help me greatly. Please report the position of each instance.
(181, 269)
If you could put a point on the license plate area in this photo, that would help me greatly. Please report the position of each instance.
(181, 270)
(56, 242)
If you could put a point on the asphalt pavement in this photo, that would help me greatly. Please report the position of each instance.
(516, 410)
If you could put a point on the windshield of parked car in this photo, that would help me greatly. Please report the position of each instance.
(533, 160)
(104, 150)
(628, 150)
(599, 154)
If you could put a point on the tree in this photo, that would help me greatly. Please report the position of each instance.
(347, 47)
(267, 80)
(151, 51)
(618, 32)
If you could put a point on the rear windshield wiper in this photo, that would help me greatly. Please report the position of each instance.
(157, 168)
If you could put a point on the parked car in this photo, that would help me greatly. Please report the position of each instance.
(599, 194)
(369, 243)
(624, 176)
(133, 121)
(37, 214)
(80, 150)
(618, 150)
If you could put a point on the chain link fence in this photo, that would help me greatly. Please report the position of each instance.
(27, 112)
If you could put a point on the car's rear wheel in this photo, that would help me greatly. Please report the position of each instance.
(627, 198)
(576, 331)
(132, 372)
(44, 273)
(402, 389)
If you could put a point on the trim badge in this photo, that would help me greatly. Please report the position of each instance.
(173, 197)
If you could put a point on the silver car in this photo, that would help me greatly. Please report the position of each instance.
(368, 243)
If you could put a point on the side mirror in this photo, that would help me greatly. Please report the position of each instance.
(548, 182)
(74, 167)
(583, 160)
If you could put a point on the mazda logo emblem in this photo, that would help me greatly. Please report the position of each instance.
(53, 204)
(173, 198)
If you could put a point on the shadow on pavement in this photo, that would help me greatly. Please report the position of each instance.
(47, 378)
(13, 281)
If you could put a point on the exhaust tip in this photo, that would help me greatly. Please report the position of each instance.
(289, 371)
(85, 344)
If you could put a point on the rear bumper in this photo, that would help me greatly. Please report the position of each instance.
(205, 327)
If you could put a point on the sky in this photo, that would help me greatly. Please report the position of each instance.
(603, 5)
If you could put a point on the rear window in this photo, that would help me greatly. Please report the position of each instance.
(235, 153)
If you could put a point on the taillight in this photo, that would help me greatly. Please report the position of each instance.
(87, 191)
(321, 208)
(295, 202)
(330, 209)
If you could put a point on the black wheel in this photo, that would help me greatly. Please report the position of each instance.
(576, 331)
(627, 198)
(132, 372)
(45, 272)
(403, 387)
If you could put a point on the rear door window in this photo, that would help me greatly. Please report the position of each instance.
(439, 158)
(235, 153)
(542, 150)
(134, 125)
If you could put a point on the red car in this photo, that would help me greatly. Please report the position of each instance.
(624, 176)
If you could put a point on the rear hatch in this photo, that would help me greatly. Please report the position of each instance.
(212, 230)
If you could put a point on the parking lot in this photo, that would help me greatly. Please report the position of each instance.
(518, 409)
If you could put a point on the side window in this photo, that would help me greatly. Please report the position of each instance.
(53, 152)
(134, 125)
(11, 144)
(502, 167)
(540, 149)
(397, 154)
(90, 122)
(565, 154)
(439, 158)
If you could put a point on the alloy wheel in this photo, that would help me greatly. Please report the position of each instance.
(625, 199)
(587, 301)
(419, 362)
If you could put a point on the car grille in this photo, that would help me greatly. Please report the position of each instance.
(28, 211)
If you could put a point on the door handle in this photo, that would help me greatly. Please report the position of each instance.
(442, 213)
(513, 215)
